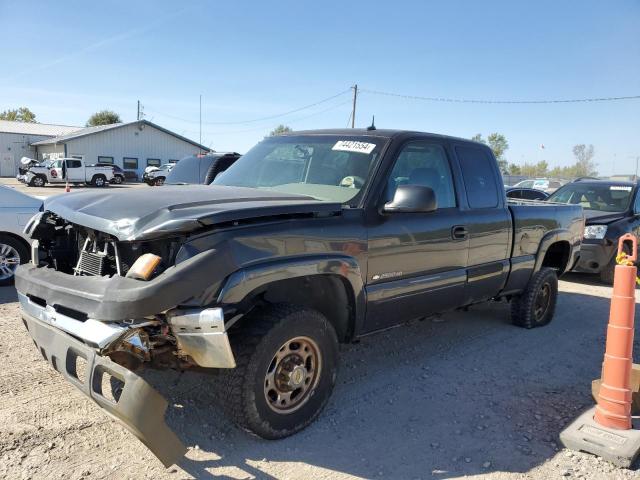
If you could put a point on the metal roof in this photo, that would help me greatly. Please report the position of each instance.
(7, 126)
(102, 128)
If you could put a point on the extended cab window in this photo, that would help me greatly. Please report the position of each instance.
(74, 164)
(478, 176)
(425, 164)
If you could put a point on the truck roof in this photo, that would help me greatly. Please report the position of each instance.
(381, 132)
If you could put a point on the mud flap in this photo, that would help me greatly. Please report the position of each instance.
(137, 405)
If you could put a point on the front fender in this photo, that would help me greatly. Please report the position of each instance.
(242, 283)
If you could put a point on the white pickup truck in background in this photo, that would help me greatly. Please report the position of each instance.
(72, 170)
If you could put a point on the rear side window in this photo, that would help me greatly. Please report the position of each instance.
(478, 176)
(74, 164)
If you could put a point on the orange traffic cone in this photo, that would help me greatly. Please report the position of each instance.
(606, 429)
(614, 399)
(67, 188)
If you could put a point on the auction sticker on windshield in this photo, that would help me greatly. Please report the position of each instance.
(353, 146)
(616, 187)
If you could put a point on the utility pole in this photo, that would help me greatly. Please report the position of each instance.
(200, 142)
(353, 111)
(140, 115)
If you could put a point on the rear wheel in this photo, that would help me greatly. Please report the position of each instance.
(287, 359)
(536, 305)
(99, 181)
(13, 252)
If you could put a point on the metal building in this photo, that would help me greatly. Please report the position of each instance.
(16, 139)
(133, 146)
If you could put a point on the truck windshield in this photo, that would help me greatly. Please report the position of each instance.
(326, 167)
(604, 198)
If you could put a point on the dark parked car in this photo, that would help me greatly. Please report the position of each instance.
(309, 239)
(118, 173)
(202, 169)
(526, 193)
(611, 209)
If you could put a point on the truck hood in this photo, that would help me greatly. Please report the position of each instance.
(597, 217)
(145, 214)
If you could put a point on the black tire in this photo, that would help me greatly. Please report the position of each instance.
(535, 308)
(99, 181)
(158, 182)
(18, 246)
(118, 180)
(264, 334)
(38, 181)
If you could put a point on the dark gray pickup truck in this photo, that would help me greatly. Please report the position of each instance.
(310, 239)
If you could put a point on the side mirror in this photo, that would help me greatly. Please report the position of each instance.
(412, 199)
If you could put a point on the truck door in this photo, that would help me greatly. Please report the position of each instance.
(416, 261)
(74, 171)
(56, 172)
(488, 223)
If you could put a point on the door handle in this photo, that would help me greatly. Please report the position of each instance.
(459, 232)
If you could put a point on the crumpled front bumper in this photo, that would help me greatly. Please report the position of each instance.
(139, 407)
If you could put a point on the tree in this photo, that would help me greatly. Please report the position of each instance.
(103, 117)
(280, 130)
(540, 169)
(22, 114)
(498, 143)
(514, 169)
(585, 166)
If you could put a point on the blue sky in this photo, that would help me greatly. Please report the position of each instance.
(252, 59)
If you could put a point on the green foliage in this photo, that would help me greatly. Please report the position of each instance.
(280, 130)
(499, 144)
(103, 117)
(22, 114)
(584, 166)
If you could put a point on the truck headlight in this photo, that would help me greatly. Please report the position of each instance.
(595, 232)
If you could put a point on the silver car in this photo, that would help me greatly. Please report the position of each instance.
(16, 209)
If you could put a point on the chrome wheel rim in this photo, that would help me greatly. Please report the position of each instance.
(38, 182)
(99, 182)
(9, 261)
(292, 375)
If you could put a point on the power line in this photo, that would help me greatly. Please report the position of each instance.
(255, 129)
(520, 102)
(261, 119)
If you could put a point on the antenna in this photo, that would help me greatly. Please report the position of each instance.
(373, 123)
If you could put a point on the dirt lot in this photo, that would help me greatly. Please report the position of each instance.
(466, 394)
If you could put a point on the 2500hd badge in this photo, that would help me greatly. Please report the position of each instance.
(263, 273)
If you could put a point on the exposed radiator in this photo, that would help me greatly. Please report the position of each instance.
(91, 263)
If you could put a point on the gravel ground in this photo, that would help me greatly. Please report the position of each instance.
(57, 189)
(465, 394)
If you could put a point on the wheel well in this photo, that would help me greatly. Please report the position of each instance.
(557, 256)
(331, 295)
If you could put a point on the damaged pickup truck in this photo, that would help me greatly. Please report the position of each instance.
(310, 239)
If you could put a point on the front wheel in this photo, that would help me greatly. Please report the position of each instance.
(117, 180)
(13, 252)
(159, 182)
(37, 181)
(536, 305)
(287, 361)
